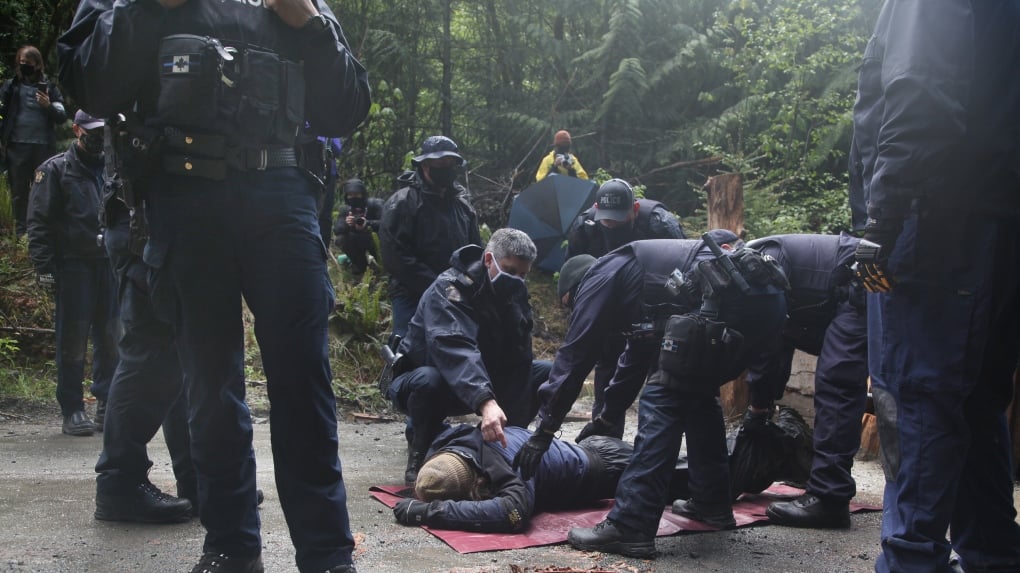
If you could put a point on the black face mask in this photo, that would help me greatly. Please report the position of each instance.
(563, 149)
(443, 177)
(91, 143)
(356, 202)
(27, 70)
(619, 236)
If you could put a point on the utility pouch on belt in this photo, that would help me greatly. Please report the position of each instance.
(698, 351)
(190, 80)
(272, 104)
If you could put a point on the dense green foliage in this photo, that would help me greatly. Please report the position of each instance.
(645, 86)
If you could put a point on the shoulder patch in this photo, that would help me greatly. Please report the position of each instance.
(453, 294)
(39, 176)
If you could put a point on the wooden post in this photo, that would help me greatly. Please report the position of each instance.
(725, 194)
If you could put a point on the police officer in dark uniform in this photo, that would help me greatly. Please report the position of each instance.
(63, 222)
(468, 484)
(223, 89)
(147, 391)
(423, 222)
(468, 347)
(826, 318)
(700, 350)
(936, 122)
(357, 220)
(619, 297)
(617, 218)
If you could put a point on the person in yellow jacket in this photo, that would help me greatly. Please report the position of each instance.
(560, 160)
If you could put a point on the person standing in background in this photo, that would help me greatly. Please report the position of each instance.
(31, 108)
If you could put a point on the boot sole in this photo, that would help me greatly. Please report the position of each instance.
(807, 523)
(639, 550)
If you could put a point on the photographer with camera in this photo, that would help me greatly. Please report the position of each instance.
(560, 161)
(357, 220)
(31, 107)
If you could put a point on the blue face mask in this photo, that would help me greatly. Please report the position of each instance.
(505, 284)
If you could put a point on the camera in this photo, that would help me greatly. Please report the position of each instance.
(360, 221)
(564, 159)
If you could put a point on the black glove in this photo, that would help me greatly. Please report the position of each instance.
(530, 455)
(596, 427)
(872, 254)
(410, 512)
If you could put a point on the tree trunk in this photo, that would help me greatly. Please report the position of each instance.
(725, 194)
(445, 90)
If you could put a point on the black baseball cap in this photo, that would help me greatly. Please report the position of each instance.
(614, 200)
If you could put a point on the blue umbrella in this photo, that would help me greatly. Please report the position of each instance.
(545, 211)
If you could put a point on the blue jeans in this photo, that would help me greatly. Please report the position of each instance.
(86, 306)
(944, 344)
(148, 387)
(254, 235)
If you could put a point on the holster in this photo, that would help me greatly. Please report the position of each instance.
(699, 352)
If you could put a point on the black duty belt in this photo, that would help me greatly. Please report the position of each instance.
(239, 159)
(211, 156)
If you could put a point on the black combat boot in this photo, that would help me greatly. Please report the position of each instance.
(810, 510)
(415, 459)
(143, 503)
(720, 515)
(612, 537)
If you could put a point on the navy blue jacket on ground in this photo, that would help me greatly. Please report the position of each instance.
(557, 485)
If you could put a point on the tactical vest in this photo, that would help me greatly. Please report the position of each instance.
(659, 258)
(817, 266)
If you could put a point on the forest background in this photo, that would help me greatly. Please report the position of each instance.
(662, 93)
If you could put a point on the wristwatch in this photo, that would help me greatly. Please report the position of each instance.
(318, 32)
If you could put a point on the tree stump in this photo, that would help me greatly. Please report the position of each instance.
(725, 205)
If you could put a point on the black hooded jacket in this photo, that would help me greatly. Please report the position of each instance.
(420, 229)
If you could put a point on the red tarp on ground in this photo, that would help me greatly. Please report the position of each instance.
(552, 528)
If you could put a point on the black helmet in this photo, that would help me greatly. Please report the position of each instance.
(436, 147)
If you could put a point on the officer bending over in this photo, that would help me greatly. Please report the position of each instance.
(826, 318)
(468, 347)
(222, 90)
(704, 343)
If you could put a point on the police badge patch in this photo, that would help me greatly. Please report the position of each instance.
(39, 176)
